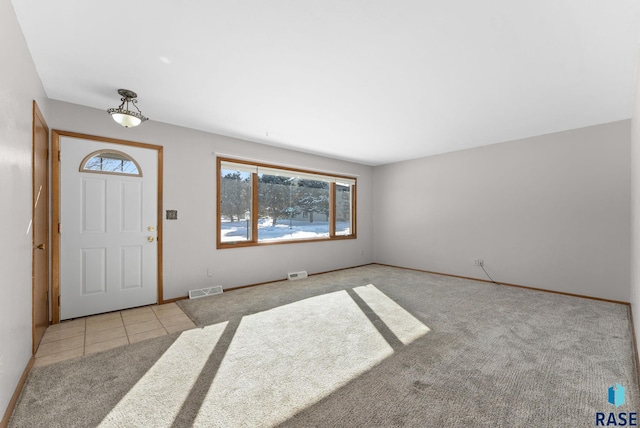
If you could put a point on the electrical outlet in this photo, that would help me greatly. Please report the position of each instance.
(478, 262)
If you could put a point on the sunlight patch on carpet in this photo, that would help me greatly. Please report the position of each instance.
(285, 359)
(405, 326)
(158, 397)
(278, 363)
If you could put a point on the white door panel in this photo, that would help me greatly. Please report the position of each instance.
(108, 249)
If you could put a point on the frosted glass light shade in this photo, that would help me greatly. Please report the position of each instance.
(126, 120)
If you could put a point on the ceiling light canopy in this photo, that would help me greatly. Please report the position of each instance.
(123, 115)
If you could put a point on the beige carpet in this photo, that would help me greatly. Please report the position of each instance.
(369, 346)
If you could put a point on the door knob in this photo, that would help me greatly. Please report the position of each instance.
(150, 238)
(40, 247)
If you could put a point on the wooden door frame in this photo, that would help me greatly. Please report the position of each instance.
(55, 189)
(38, 116)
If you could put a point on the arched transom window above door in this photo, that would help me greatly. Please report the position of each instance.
(110, 162)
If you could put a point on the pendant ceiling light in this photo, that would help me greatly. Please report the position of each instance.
(123, 115)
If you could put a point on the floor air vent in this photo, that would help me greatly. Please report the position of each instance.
(209, 291)
(292, 276)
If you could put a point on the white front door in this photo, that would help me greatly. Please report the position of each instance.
(108, 215)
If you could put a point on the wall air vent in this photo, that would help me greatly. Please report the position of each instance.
(292, 276)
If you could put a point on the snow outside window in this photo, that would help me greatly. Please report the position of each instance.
(265, 204)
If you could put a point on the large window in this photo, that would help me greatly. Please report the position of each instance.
(261, 204)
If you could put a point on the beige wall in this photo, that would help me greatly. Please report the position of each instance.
(189, 187)
(19, 86)
(635, 208)
(549, 212)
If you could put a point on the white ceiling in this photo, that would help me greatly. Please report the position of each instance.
(372, 81)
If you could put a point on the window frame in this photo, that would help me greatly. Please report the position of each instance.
(255, 204)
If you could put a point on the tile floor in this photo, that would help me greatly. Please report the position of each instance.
(84, 336)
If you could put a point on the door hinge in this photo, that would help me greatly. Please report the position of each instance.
(59, 228)
(58, 300)
(58, 155)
